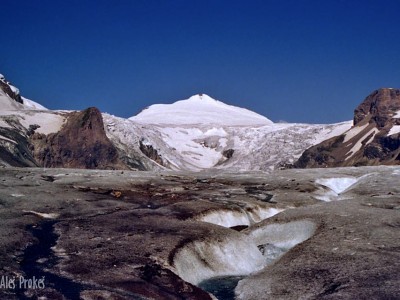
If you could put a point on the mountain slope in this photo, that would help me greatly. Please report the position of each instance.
(10, 98)
(194, 134)
(199, 109)
(373, 140)
(202, 133)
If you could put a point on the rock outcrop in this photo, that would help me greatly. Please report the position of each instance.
(373, 140)
(81, 143)
(10, 90)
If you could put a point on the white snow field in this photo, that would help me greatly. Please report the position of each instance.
(193, 135)
(199, 109)
(22, 116)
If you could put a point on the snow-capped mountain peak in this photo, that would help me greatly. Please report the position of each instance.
(200, 109)
(11, 99)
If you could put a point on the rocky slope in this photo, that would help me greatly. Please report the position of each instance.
(31, 135)
(373, 140)
(80, 143)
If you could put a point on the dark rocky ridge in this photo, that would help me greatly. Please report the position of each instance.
(150, 152)
(6, 88)
(81, 143)
(373, 119)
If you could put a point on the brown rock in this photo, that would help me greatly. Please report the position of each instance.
(367, 142)
(381, 105)
(81, 143)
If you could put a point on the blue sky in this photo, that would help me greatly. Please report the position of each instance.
(298, 61)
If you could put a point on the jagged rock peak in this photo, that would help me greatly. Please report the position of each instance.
(81, 143)
(373, 140)
(380, 105)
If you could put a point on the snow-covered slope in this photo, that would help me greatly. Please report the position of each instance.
(201, 133)
(10, 98)
(19, 117)
(194, 134)
(199, 109)
(30, 104)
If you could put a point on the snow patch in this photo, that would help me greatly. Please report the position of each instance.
(49, 122)
(353, 132)
(338, 185)
(397, 115)
(394, 130)
(357, 146)
(42, 215)
(14, 89)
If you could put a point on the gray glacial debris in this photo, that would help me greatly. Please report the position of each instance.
(132, 235)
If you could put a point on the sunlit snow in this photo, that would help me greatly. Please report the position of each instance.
(199, 109)
(338, 185)
(361, 142)
(353, 132)
(394, 130)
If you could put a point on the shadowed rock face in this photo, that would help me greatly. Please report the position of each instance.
(369, 142)
(6, 88)
(81, 143)
(151, 153)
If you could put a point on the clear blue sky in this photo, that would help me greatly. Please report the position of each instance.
(298, 61)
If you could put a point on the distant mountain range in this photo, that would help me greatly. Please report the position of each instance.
(193, 134)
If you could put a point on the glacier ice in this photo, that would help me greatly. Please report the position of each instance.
(239, 253)
(339, 184)
(231, 218)
(234, 255)
(285, 235)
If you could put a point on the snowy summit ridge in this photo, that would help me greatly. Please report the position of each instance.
(200, 109)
